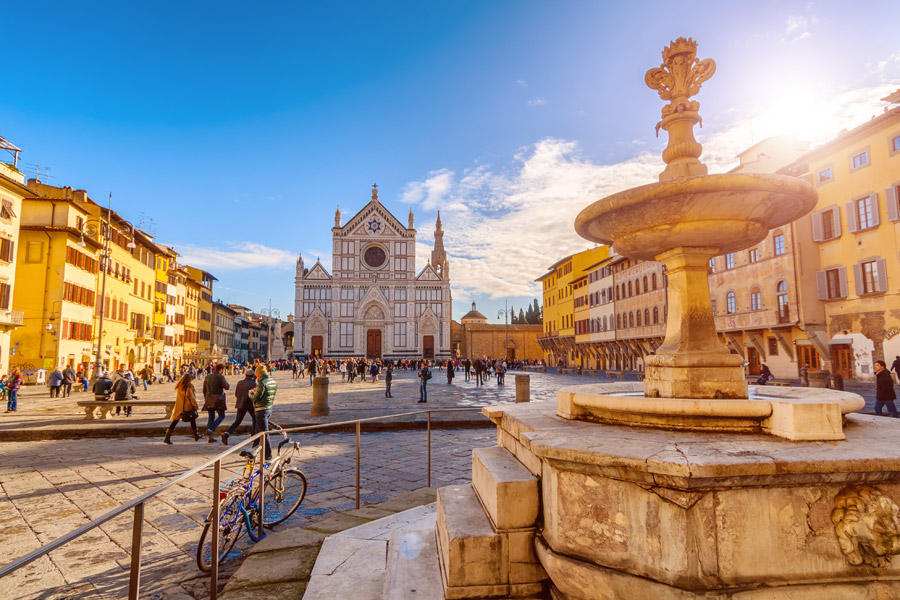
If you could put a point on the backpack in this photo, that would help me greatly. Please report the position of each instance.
(120, 388)
(427, 375)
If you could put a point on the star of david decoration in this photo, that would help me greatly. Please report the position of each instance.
(374, 225)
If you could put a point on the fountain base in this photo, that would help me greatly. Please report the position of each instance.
(696, 375)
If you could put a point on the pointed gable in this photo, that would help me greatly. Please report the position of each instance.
(428, 274)
(317, 272)
(374, 219)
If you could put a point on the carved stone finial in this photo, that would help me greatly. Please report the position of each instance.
(375, 191)
(677, 79)
(411, 220)
(867, 525)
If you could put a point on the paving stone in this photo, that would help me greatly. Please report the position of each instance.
(295, 537)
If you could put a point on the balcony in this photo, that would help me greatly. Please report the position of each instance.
(11, 318)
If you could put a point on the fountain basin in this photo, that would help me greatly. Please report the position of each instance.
(792, 413)
(727, 212)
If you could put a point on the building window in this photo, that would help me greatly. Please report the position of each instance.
(638, 318)
(400, 335)
(712, 265)
(655, 315)
(778, 243)
(865, 218)
(895, 144)
(826, 224)
(631, 319)
(871, 277)
(782, 300)
(346, 334)
(755, 299)
(753, 255)
(618, 321)
(729, 260)
(712, 304)
(859, 160)
(833, 283)
(730, 303)
(630, 289)
(824, 176)
(773, 347)
(653, 280)
(646, 316)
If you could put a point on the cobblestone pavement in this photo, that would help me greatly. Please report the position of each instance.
(51, 488)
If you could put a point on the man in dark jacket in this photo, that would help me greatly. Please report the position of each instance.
(69, 376)
(124, 390)
(884, 390)
(895, 367)
(214, 386)
(388, 379)
(103, 387)
(242, 403)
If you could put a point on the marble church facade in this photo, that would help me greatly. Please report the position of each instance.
(373, 303)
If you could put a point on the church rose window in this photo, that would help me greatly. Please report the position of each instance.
(374, 256)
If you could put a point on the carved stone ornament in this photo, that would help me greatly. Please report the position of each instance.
(373, 313)
(867, 524)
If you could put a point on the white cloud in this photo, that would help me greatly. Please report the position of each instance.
(235, 256)
(537, 102)
(522, 83)
(504, 227)
(797, 28)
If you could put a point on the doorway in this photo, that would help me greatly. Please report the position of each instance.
(753, 359)
(373, 343)
(428, 347)
(807, 357)
(841, 360)
(316, 345)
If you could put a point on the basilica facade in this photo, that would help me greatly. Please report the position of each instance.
(373, 303)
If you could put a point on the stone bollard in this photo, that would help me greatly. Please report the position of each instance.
(818, 379)
(523, 388)
(319, 406)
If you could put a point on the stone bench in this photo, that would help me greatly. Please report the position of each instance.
(776, 382)
(105, 406)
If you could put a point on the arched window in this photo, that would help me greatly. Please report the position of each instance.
(604, 323)
(618, 321)
(646, 316)
(653, 280)
(630, 290)
(617, 294)
(730, 303)
(638, 318)
(778, 245)
(755, 299)
(631, 319)
(655, 315)
(784, 311)
(114, 311)
(646, 289)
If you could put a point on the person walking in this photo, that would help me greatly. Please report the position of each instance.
(373, 371)
(424, 376)
(450, 372)
(147, 376)
(311, 367)
(343, 370)
(263, 398)
(214, 387)
(69, 377)
(15, 382)
(388, 379)
(479, 369)
(884, 390)
(55, 380)
(242, 403)
(468, 368)
(895, 366)
(186, 407)
(123, 391)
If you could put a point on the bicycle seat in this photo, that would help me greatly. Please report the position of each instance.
(247, 454)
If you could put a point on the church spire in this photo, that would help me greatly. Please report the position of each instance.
(411, 218)
(337, 216)
(438, 256)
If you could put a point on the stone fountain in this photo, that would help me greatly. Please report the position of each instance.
(689, 486)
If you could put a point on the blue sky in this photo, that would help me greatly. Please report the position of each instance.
(239, 127)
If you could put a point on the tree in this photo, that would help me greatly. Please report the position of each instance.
(521, 319)
(536, 315)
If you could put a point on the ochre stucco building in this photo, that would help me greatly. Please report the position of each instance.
(474, 337)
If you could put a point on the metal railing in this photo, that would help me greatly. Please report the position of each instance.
(138, 503)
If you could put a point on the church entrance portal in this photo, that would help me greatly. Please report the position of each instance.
(373, 343)
(428, 347)
(316, 345)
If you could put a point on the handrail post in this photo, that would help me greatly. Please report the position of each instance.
(214, 526)
(429, 448)
(357, 463)
(134, 581)
(262, 482)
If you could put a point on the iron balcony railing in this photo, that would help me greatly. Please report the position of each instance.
(138, 503)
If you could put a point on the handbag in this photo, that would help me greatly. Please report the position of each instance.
(189, 415)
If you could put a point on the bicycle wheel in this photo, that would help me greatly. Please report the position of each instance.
(284, 493)
(230, 523)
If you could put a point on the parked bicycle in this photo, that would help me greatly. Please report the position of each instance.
(239, 506)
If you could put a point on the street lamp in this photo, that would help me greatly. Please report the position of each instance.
(505, 314)
(270, 313)
(104, 258)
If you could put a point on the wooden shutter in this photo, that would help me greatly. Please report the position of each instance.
(836, 219)
(890, 198)
(881, 284)
(817, 227)
(858, 279)
(822, 285)
(852, 225)
(876, 218)
(842, 280)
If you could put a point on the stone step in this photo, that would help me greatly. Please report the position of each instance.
(413, 568)
(506, 487)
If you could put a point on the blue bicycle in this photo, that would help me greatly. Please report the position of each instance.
(239, 501)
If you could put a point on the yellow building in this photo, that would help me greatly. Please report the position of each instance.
(205, 322)
(854, 229)
(60, 296)
(164, 308)
(190, 350)
(558, 339)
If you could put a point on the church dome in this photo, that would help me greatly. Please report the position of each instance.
(473, 316)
